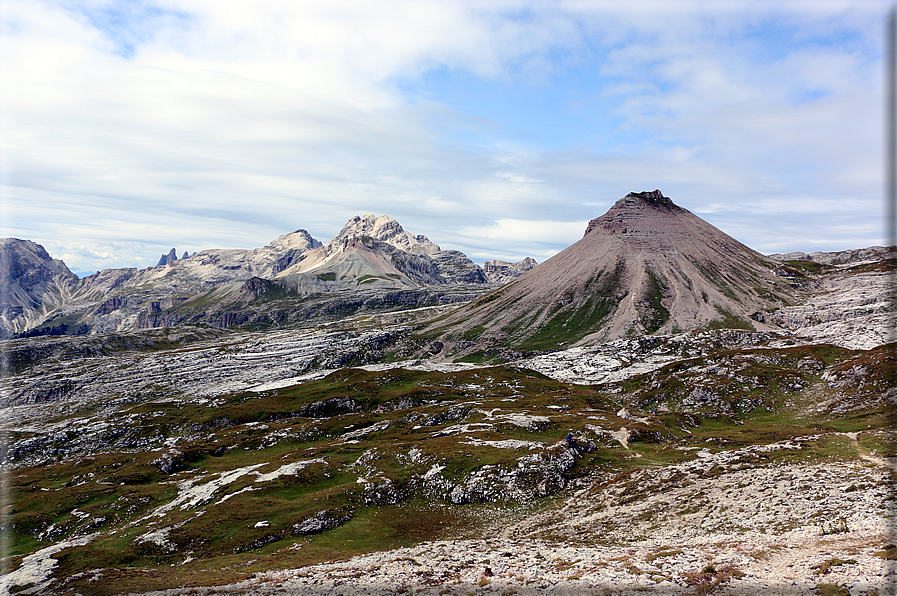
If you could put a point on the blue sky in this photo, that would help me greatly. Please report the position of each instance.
(498, 128)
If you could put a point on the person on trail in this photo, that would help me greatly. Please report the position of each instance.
(573, 443)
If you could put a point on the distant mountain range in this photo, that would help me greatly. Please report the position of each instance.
(647, 266)
(371, 258)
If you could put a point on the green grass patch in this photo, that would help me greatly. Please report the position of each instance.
(728, 320)
(658, 315)
(584, 313)
(809, 266)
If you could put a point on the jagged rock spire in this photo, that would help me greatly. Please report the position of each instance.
(166, 259)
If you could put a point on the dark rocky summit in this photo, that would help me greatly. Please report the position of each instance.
(169, 258)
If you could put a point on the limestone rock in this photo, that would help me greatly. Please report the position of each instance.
(501, 272)
(455, 267)
(33, 283)
(169, 258)
(844, 257)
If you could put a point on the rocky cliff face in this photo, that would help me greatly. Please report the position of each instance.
(844, 257)
(500, 272)
(373, 249)
(385, 229)
(848, 306)
(646, 266)
(32, 285)
(166, 259)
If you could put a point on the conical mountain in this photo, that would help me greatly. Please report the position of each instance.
(646, 266)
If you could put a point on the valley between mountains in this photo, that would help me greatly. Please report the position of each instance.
(657, 409)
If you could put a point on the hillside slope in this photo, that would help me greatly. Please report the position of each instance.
(646, 266)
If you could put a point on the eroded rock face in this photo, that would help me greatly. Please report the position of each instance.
(501, 272)
(455, 267)
(378, 250)
(845, 308)
(385, 229)
(843, 257)
(536, 475)
(323, 520)
(33, 285)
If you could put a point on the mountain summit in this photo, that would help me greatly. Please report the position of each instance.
(373, 249)
(646, 266)
(385, 229)
(32, 283)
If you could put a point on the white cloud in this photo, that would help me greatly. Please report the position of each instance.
(216, 124)
(522, 231)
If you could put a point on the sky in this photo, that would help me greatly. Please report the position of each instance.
(498, 128)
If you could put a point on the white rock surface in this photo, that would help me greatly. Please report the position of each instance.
(849, 310)
(36, 570)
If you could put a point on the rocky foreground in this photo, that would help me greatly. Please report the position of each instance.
(342, 460)
(726, 526)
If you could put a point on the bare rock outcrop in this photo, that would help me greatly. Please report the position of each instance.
(169, 258)
(32, 285)
(500, 272)
(842, 257)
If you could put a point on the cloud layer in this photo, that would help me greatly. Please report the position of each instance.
(496, 128)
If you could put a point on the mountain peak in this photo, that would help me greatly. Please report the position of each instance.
(386, 229)
(652, 198)
(169, 258)
(646, 266)
(33, 283)
(638, 213)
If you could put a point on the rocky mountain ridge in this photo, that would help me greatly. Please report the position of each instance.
(366, 263)
(502, 271)
(32, 284)
(843, 257)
